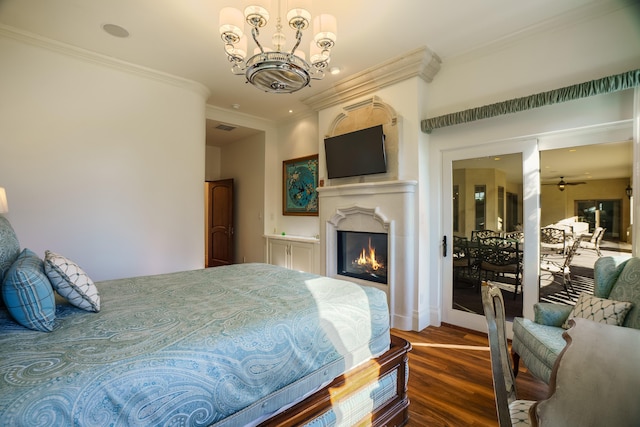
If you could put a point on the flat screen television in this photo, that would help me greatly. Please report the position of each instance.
(356, 153)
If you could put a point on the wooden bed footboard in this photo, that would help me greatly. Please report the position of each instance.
(393, 411)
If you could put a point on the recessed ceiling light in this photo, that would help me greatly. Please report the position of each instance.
(334, 70)
(115, 30)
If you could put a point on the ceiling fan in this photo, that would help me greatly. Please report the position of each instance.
(562, 183)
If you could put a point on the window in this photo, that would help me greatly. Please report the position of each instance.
(601, 213)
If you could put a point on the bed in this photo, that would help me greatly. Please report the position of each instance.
(241, 345)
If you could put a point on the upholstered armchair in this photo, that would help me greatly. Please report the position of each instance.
(538, 342)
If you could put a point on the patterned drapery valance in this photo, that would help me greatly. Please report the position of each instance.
(604, 85)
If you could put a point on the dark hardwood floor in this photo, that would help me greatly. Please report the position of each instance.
(450, 381)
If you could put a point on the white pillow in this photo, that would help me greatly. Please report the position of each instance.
(71, 282)
(599, 310)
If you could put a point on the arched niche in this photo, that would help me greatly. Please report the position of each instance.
(365, 114)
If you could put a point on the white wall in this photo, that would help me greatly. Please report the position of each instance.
(212, 163)
(244, 162)
(550, 59)
(102, 163)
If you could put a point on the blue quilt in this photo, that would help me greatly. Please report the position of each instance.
(222, 346)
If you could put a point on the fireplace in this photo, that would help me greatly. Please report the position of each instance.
(362, 255)
(387, 209)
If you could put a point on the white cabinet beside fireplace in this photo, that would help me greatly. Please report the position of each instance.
(294, 252)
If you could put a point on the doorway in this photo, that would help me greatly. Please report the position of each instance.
(601, 213)
(492, 188)
(219, 238)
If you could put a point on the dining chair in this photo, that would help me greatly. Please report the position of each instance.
(515, 235)
(510, 410)
(561, 265)
(480, 234)
(500, 257)
(462, 260)
(552, 241)
(594, 242)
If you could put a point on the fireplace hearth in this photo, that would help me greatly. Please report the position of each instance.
(363, 255)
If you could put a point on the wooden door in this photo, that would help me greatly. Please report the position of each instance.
(219, 228)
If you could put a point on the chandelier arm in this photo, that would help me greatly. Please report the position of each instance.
(255, 33)
(298, 40)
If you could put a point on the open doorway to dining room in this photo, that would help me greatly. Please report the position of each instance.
(487, 218)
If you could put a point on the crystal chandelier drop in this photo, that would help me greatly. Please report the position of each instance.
(277, 69)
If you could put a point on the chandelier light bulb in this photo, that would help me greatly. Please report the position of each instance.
(298, 16)
(231, 24)
(325, 28)
(299, 19)
(256, 16)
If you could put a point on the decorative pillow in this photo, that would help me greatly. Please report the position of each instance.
(9, 247)
(599, 310)
(71, 282)
(27, 293)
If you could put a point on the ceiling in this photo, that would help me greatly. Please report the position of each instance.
(573, 164)
(180, 37)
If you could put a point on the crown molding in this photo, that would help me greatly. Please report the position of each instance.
(103, 60)
(421, 62)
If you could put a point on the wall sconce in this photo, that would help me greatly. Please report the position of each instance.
(629, 191)
(4, 206)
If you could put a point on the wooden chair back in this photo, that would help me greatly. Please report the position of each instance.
(504, 382)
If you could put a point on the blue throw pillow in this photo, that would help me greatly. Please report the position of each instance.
(28, 294)
(9, 247)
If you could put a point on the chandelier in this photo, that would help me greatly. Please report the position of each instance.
(277, 70)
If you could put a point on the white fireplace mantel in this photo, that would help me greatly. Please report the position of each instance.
(382, 187)
(384, 206)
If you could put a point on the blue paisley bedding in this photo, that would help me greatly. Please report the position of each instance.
(224, 346)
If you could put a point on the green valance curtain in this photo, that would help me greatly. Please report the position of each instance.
(604, 85)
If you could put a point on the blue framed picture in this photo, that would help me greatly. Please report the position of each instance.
(299, 186)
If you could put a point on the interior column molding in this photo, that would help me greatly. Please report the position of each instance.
(615, 83)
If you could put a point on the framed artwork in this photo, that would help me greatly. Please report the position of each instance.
(299, 186)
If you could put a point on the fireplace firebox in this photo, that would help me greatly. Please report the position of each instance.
(363, 255)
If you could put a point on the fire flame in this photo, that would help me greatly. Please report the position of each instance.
(369, 259)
